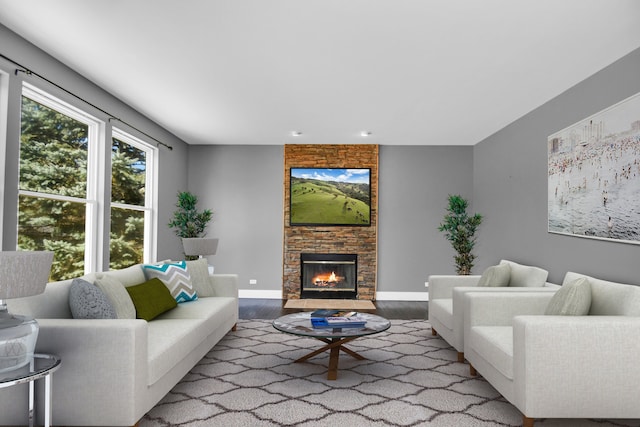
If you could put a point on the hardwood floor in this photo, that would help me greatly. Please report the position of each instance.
(254, 308)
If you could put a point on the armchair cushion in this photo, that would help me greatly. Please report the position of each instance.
(525, 275)
(572, 299)
(495, 345)
(496, 275)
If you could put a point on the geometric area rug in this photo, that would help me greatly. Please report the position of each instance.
(410, 378)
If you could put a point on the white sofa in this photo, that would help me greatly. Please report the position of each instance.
(446, 292)
(550, 366)
(114, 371)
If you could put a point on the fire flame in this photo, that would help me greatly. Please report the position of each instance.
(327, 279)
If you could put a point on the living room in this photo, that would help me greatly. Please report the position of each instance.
(503, 174)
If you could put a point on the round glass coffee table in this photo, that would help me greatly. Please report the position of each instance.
(334, 338)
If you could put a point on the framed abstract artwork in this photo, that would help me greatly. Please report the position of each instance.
(594, 175)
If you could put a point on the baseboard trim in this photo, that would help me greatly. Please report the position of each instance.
(402, 296)
(257, 293)
(380, 296)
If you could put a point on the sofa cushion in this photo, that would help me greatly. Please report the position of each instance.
(173, 335)
(442, 309)
(495, 345)
(199, 272)
(118, 296)
(572, 299)
(526, 275)
(610, 298)
(496, 275)
(175, 276)
(87, 301)
(151, 299)
(129, 276)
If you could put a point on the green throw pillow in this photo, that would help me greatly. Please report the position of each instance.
(151, 299)
(572, 299)
(496, 275)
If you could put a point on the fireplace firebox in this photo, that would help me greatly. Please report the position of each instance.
(328, 276)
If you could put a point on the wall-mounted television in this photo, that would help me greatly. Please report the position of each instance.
(330, 196)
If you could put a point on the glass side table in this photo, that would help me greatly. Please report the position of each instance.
(42, 366)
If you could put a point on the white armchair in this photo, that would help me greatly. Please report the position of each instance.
(558, 366)
(446, 293)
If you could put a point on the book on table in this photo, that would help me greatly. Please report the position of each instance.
(353, 321)
(322, 313)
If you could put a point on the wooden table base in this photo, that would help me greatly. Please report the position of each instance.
(335, 345)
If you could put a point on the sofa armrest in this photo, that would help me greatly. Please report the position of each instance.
(499, 308)
(103, 366)
(441, 286)
(570, 366)
(224, 285)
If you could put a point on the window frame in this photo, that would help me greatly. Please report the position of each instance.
(150, 195)
(97, 199)
(94, 192)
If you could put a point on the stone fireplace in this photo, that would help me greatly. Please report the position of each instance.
(329, 276)
(303, 239)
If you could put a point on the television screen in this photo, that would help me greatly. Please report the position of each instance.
(330, 196)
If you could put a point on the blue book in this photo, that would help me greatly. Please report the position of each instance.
(338, 322)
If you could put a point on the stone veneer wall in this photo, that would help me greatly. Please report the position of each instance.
(358, 240)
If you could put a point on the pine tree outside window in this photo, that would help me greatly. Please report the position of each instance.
(56, 205)
(131, 204)
(63, 189)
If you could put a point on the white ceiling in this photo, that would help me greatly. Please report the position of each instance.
(412, 72)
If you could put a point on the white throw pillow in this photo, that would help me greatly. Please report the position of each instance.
(526, 275)
(199, 271)
(118, 296)
(496, 275)
(572, 299)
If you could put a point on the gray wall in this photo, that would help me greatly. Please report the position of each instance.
(414, 185)
(510, 185)
(244, 186)
(172, 164)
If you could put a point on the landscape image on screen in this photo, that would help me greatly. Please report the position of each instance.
(329, 196)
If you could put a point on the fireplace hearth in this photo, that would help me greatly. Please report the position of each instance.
(328, 276)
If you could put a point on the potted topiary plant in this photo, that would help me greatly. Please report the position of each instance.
(460, 229)
(190, 225)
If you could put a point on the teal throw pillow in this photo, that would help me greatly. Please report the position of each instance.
(151, 299)
(175, 276)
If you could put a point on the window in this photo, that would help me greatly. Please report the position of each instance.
(131, 202)
(63, 188)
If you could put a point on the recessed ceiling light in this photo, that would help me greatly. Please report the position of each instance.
(296, 133)
(365, 133)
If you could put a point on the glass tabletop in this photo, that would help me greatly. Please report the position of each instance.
(42, 365)
(300, 324)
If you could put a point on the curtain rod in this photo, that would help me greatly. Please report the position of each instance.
(29, 72)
